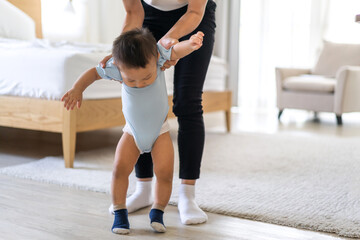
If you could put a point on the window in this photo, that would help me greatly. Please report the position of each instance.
(287, 33)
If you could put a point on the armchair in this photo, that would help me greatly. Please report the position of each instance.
(333, 85)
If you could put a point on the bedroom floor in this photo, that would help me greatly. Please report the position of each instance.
(58, 212)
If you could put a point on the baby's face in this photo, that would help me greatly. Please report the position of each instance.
(139, 77)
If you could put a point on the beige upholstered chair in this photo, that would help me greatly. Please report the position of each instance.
(333, 85)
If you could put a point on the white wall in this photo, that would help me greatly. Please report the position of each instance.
(341, 25)
(94, 21)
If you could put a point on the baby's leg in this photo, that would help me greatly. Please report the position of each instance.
(126, 156)
(163, 159)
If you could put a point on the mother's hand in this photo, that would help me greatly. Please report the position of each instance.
(167, 42)
(104, 61)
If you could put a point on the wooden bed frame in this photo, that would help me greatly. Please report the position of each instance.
(51, 116)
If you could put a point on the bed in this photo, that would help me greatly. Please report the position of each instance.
(36, 106)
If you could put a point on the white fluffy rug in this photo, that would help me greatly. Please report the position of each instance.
(305, 182)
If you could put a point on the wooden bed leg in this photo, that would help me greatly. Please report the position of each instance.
(69, 137)
(228, 111)
(228, 120)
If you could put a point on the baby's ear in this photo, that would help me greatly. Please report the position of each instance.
(158, 55)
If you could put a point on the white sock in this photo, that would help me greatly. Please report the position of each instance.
(190, 213)
(142, 197)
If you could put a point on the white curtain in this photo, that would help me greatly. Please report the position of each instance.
(287, 33)
(94, 21)
(227, 40)
(274, 33)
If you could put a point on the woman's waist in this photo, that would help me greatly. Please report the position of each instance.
(167, 5)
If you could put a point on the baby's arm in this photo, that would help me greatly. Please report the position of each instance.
(74, 95)
(186, 47)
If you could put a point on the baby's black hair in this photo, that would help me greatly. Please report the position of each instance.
(134, 48)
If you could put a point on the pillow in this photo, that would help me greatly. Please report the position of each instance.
(14, 23)
(335, 55)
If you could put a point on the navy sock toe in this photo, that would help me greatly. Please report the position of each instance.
(121, 219)
(156, 215)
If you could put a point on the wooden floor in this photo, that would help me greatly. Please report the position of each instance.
(33, 210)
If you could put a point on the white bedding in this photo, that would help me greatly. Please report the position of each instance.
(43, 69)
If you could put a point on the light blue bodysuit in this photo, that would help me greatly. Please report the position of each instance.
(145, 109)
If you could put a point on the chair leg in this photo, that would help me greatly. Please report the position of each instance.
(339, 120)
(316, 117)
(280, 113)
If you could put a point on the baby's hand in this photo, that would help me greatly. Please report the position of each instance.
(196, 40)
(71, 98)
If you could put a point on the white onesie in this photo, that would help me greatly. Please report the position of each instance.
(145, 109)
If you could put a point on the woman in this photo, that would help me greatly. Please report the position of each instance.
(171, 21)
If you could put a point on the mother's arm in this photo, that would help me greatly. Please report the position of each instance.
(188, 22)
(134, 18)
(185, 25)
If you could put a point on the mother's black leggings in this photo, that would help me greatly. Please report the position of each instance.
(189, 79)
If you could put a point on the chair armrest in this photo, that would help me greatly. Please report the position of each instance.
(347, 89)
(283, 73)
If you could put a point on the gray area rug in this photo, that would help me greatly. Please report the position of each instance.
(305, 182)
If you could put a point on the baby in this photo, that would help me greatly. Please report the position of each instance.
(136, 63)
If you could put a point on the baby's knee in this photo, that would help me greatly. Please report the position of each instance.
(120, 170)
(164, 176)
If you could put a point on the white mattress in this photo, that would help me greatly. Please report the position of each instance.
(43, 69)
